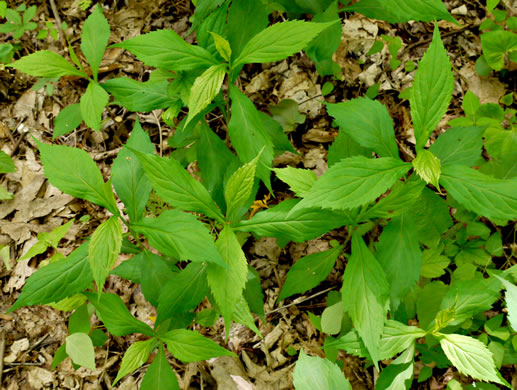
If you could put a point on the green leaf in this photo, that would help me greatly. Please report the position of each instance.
(511, 301)
(281, 142)
(248, 135)
(399, 374)
(6, 163)
(397, 337)
(140, 96)
(222, 46)
(428, 302)
(57, 280)
(179, 235)
(73, 171)
(205, 89)
(175, 186)
(92, 105)
(94, 38)
(484, 195)
(368, 123)
(353, 182)
(249, 13)
(4, 194)
(67, 120)
(279, 41)
(104, 249)
(432, 90)
(242, 315)
(227, 284)
(46, 64)
(399, 254)
(155, 276)
(59, 356)
(496, 44)
(299, 180)
(298, 226)
(366, 295)
(159, 375)
(427, 166)
(115, 316)
(350, 343)
(238, 189)
(401, 11)
(433, 263)
(471, 357)
(79, 347)
(135, 356)
(494, 244)
(215, 22)
(287, 114)
(313, 373)
(343, 147)
(165, 49)
(189, 346)
(309, 271)
(129, 180)
(79, 321)
(332, 318)
(459, 145)
(184, 291)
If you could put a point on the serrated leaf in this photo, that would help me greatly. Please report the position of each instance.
(309, 271)
(73, 171)
(205, 89)
(401, 11)
(175, 186)
(165, 49)
(297, 226)
(459, 145)
(115, 316)
(129, 180)
(242, 315)
(471, 357)
(159, 375)
(368, 123)
(366, 295)
(484, 195)
(397, 337)
(399, 254)
(279, 41)
(511, 301)
(135, 356)
(67, 120)
(222, 46)
(496, 44)
(94, 38)
(227, 284)
(46, 64)
(315, 373)
(248, 135)
(239, 188)
(299, 180)
(353, 182)
(189, 346)
(104, 249)
(432, 90)
(427, 166)
(433, 264)
(179, 235)
(57, 280)
(79, 347)
(6, 163)
(92, 105)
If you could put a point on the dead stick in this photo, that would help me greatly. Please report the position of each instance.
(58, 23)
(2, 350)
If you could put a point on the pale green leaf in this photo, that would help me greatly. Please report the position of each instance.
(368, 123)
(46, 64)
(179, 235)
(227, 284)
(94, 38)
(205, 89)
(366, 295)
(79, 347)
(239, 188)
(353, 182)
(309, 271)
(175, 186)
(427, 166)
(332, 318)
(432, 90)
(159, 375)
(299, 180)
(6, 163)
(484, 195)
(4, 194)
(496, 44)
(471, 357)
(189, 346)
(279, 41)
(459, 145)
(165, 49)
(222, 46)
(397, 337)
(92, 105)
(134, 357)
(47, 239)
(315, 373)
(511, 301)
(73, 171)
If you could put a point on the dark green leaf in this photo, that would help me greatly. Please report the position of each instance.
(79, 321)
(253, 293)
(496, 44)
(6, 163)
(159, 375)
(459, 145)
(155, 276)
(343, 147)
(249, 13)
(67, 120)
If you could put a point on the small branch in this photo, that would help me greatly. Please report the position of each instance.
(58, 23)
(2, 350)
(297, 302)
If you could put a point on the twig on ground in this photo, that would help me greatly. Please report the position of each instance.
(2, 350)
(297, 302)
(58, 23)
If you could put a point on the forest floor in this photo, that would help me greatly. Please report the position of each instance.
(33, 334)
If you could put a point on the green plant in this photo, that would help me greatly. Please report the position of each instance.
(18, 20)
(201, 229)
